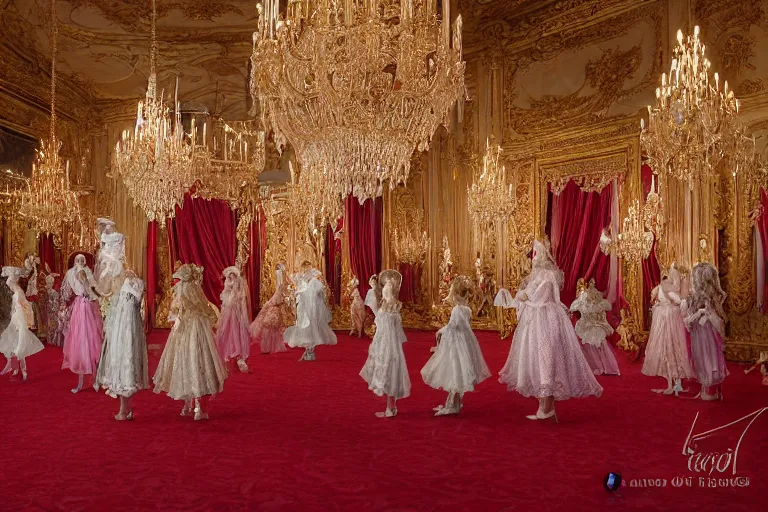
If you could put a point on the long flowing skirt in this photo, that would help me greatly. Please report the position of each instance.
(267, 329)
(385, 370)
(707, 355)
(667, 352)
(546, 357)
(190, 366)
(317, 333)
(601, 359)
(232, 338)
(82, 345)
(19, 342)
(123, 368)
(457, 365)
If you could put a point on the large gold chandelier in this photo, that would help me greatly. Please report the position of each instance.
(356, 85)
(409, 248)
(50, 204)
(154, 160)
(490, 199)
(693, 127)
(635, 242)
(227, 161)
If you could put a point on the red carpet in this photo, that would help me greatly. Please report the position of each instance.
(303, 436)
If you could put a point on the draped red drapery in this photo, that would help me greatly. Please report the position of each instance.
(364, 228)
(333, 260)
(651, 270)
(577, 219)
(409, 291)
(205, 233)
(257, 232)
(762, 226)
(48, 253)
(152, 273)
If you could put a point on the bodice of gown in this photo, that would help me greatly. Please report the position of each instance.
(591, 308)
(667, 296)
(390, 324)
(460, 317)
(132, 289)
(112, 250)
(21, 311)
(542, 289)
(371, 301)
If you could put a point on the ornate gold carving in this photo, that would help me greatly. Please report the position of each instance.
(591, 175)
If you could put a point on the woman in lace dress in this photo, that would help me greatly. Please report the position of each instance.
(123, 364)
(546, 360)
(385, 370)
(704, 318)
(312, 315)
(593, 329)
(17, 341)
(357, 308)
(82, 344)
(268, 326)
(232, 337)
(666, 354)
(52, 311)
(457, 365)
(190, 368)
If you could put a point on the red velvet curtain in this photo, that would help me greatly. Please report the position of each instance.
(577, 221)
(257, 232)
(409, 291)
(762, 226)
(651, 270)
(205, 234)
(152, 273)
(332, 256)
(48, 253)
(364, 225)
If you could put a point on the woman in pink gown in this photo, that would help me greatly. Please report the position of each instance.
(82, 344)
(704, 314)
(267, 328)
(546, 360)
(666, 354)
(232, 338)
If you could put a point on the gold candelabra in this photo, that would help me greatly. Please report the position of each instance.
(49, 204)
(693, 127)
(490, 199)
(356, 85)
(154, 160)
(410, 248)
(634, 243)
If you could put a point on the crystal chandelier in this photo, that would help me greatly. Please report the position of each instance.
(356, 85)
(634, 243)
(490, 199)
(50, 204)
(693, 126)
(410, 249)
(154, 160)
(229, 163)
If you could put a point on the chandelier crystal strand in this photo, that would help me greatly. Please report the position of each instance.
(50, 205)
(634, 243)
(356, 86)
(693, 126)
(154, 161)
(490, 199)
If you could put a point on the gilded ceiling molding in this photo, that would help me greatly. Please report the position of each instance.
(591, 174)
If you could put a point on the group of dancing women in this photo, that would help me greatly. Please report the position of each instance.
(550, 359)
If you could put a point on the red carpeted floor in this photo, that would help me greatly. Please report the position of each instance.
(303, 436)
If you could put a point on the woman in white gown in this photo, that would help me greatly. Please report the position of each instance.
(385, 370)
(17, 341)
(457, 365)
(123, 363)
(546, 360)
(312, 316)
(593, 328)
(109, 265)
